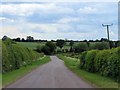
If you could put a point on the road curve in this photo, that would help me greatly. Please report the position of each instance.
(51, 75)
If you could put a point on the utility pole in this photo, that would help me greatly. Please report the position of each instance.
(107, 25)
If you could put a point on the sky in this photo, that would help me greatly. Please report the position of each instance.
(59, 20)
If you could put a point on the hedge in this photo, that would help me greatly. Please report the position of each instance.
(104, 62)
(90, 60)
(15, 56)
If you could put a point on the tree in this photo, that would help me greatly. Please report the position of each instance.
(71, 43)
(80, 47)
(23, 40)
(88, 44)
(104, 40)
(18, 39)
(112, 44)
(60, 43)
(100, 46)
(48, 48)
(4, 38)
(29, 39)
(52, 46)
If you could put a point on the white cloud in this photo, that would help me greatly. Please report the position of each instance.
(68, 20)
(4, 19)
(60, 0)
(87, 10)
(29, 9)
(64, 26)
(46, 28)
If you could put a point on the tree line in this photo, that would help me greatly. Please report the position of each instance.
(57, 47)
(31, 39)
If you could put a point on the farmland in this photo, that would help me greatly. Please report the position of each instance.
(79, 58)
(31, 45)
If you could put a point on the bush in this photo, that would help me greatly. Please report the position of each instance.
(52, 46)
(101, 61)
(113, 64)
(90, 60)
(15, 56)
(46, 50)
(81, 47)
(82, 60)
(99, 46)
(104, 62)
(39, 49)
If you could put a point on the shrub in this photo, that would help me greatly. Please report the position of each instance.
(51, 46)
(112, 69)
(101, 61)
(90, 60)
(104, 62)
(14, 56)
(46, 50)
(82, 60)
(81, 47)
(38, 49)
(99, 46)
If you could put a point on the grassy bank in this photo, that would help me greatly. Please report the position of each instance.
(12, 76)
(92, 78)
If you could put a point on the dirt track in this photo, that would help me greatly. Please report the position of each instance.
(51, 75)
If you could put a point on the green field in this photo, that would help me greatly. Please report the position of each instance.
(92, 78)
(12, 76)
(31, 45)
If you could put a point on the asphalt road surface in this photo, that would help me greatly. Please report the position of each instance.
(51, 75)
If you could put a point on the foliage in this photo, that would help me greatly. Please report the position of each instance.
(10, 77)
(82, 60)
(80, 47)
(38, 49)
(15, 56)
(71, 43)
(104, 62)
(48, 48)
(92, 78)
(60, 43)
(90, 60)
(100, 46)
(52, 46)
(118, 44)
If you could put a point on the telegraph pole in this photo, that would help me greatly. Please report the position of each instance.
(107, 25)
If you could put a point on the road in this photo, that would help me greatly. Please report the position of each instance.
(51, 75)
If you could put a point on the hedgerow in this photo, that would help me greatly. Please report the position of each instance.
(90, 60)
(15, 56)
(104, 62)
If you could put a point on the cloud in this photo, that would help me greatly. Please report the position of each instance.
(4, 19)
(68, 20)
(58, 20)
(87, 10)
(30, 9)
(60, 0)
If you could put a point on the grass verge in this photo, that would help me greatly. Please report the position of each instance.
(12, 76)
(92, 78)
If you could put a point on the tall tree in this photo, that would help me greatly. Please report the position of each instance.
(60, 43)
